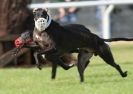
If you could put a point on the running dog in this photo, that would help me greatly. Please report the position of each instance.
(67, 38)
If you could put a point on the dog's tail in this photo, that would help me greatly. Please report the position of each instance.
(118, 39)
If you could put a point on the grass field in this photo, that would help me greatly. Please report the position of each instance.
(100, 78)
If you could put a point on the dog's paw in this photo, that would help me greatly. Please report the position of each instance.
(53, 78)
(124, 74)
(39, 67)
(71, 65)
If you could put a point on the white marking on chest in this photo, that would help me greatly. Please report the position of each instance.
(38, 37)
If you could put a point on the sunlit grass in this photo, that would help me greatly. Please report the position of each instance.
(100, 78)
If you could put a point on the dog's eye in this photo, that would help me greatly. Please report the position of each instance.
(34, 13)
(45, 14)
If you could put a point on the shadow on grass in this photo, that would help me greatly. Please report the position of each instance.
(72, 82)
(100, 78)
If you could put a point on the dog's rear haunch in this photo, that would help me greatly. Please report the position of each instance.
(73, 36)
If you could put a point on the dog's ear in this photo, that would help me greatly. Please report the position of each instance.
(38, 9)
(34, 10)
(46, 9)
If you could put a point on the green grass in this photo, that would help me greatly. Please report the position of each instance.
(100, 78)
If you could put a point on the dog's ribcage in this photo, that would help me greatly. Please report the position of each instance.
(43, 40)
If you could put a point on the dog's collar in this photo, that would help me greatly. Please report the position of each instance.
(49, 19)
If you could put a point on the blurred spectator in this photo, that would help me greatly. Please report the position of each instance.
(130, 7)
(67, 14)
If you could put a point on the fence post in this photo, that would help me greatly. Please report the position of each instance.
(106, 21)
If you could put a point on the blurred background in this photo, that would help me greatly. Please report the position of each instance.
(16, 18)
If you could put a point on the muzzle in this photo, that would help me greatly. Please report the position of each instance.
(41, 24)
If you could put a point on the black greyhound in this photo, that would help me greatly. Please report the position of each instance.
(74, 36)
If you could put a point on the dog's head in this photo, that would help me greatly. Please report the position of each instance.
(42, 19)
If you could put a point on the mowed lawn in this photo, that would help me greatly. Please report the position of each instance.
(100, 78)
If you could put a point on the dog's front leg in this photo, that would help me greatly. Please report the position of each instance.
(36, 56)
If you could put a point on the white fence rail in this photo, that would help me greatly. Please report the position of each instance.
(105, 15)
(81, 3)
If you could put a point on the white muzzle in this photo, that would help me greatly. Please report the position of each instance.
(41, 24)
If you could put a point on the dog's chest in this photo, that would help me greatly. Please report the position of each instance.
(43, 40)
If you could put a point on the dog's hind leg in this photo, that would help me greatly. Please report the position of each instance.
(105, 53)
(83, 61)
(54, 69)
